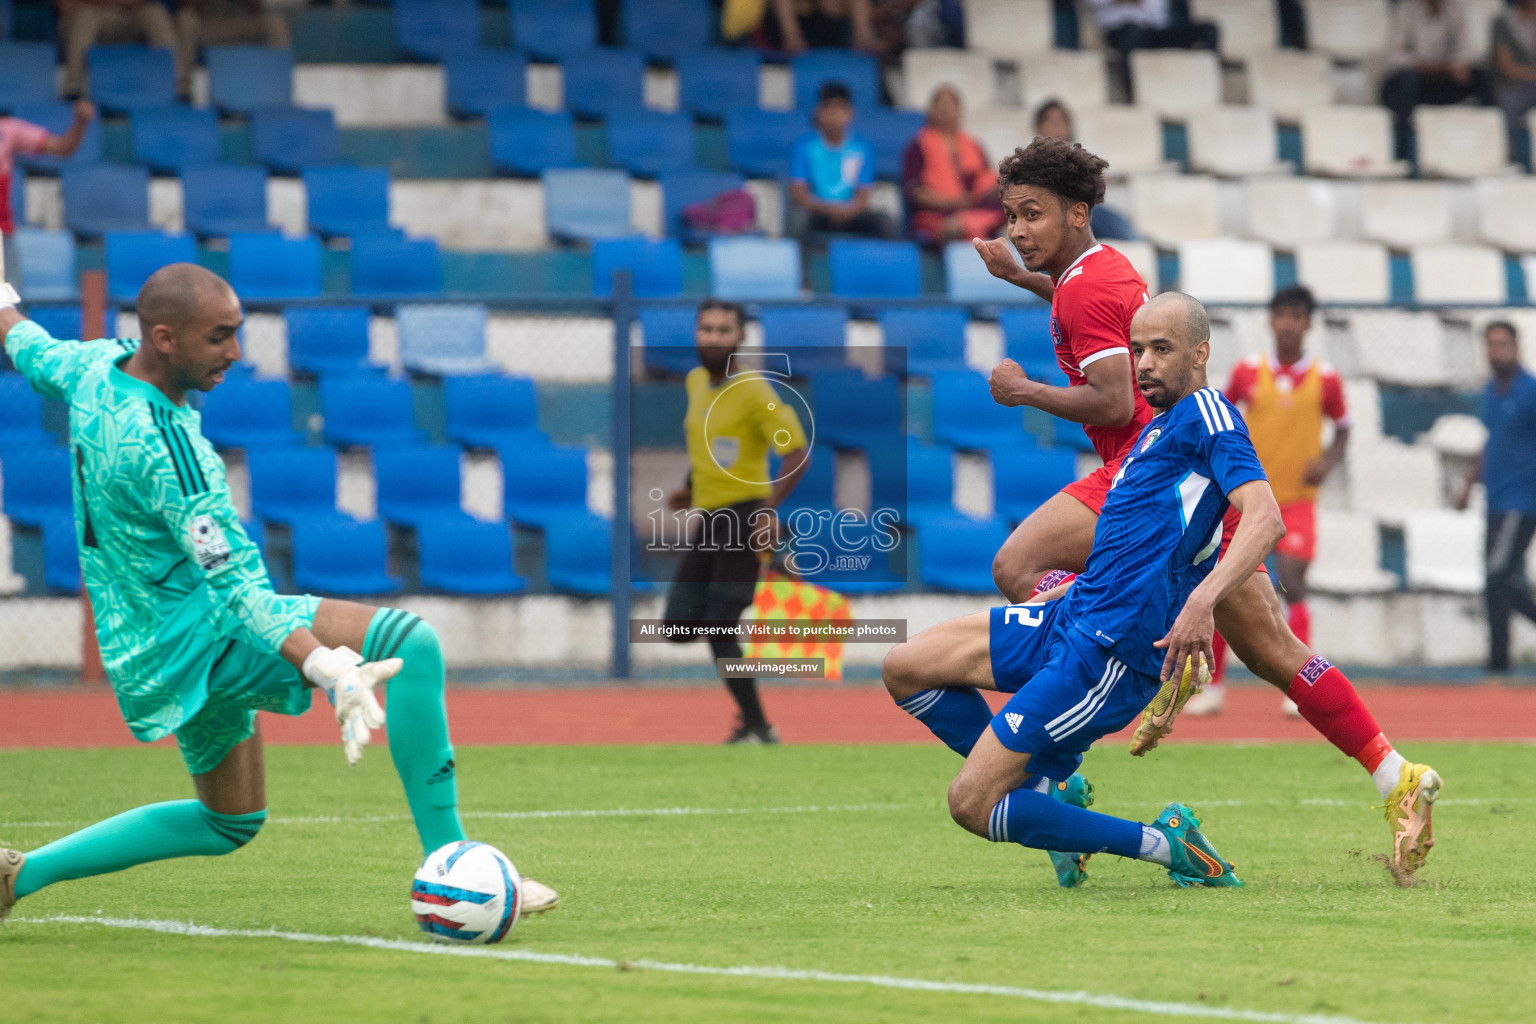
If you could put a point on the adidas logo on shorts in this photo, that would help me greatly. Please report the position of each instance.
(1014, 720)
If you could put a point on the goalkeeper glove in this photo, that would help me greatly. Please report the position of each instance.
(348, 682)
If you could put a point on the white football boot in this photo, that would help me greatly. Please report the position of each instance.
(11, 862)
(538, 897)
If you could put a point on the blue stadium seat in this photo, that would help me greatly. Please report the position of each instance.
(530, 141)
(666, 29)
(858, 71)
(392, 265)
(57, 117)
(443, 339)
(717, 80)
(61, 554)
(1027, 341)
(933, 336)
(603, 80)
(417, 483)
(1024, 478)
(553, 28)
(967, 280)
(224, 199)
(126, 76)
(649, 142)
(888, 131)
(543, 483)
(45, 269)
(257, 533)
(669, 341)
(337, 555)
(289, 139)
(964, 414)
(133, 255)
(579, 549)
(242, 79)
(346, 200)
(21, 416)
(361, 410)
(462, 555)
(817, 487)
(584, 203)
(955, 553)
(37, 484)
(683, 187)
(491, 411)
(434, 30)
(481, 80)
(267, 265)
(29, 74)
(172, 139)
(816, 331)
(1070, 435)
(855, 411)
(59, 321)
(759, 143)
(327, 339)
(105, 197)
(928, 473)
(250, 413)
(288, 484)
(655, 265)
(754, 268)
(864, 268)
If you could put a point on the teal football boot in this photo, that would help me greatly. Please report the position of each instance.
(1194, 860)
(1071, 868)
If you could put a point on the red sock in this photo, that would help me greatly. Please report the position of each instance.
(1300, 621)
(1052, 580)
(1328, 701)
(1219, 650)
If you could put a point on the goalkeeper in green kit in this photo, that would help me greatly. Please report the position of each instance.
(193, 637)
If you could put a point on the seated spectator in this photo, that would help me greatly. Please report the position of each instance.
(1053, 121)
(84, 23)
(801, 24)
(831, 172)
(949, 184)
(1514, 60)
(1429, 62)
(1149, 25)
(226, 22)
(18, 137)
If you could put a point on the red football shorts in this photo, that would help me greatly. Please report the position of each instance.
(1300, 540)
(1092, 489)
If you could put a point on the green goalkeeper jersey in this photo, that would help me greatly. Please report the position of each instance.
(173, 578)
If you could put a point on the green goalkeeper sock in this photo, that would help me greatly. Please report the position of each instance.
(418, 723)
(179, 828)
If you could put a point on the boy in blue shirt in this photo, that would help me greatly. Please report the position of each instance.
(830, 174)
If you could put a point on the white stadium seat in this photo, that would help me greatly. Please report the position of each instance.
(1143, 257)
(1217, 270)
(1247, 26)
(1174, 82)
(1077, 78)
(1288, 211)
(970, 73)
(1009, 28)
(1130, 138)
(1445, 551)
(1000, 130)
(1349, 141)
(1458, 273)
(1173, 208)
(1233, 140)
(1391, 480)
(1345, 271)
(1458, 434)
(1461, 142)
(1290, 82)
(1347, 29)
(1348, 556)
(1397, 346)
(1402, 214)
(1506, 212)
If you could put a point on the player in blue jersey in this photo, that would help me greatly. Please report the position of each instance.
(1139, 615)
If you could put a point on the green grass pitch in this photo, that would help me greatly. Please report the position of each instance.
(834, 859)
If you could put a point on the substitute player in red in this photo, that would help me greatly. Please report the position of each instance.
(1049, 190)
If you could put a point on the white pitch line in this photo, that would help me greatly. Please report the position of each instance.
(1107, 1002)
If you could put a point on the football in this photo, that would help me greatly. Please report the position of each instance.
(467, 892)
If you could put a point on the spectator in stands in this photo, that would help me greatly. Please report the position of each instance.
(1150, 25)
(1054, 121)
(1514, 60)
(949, 184)
(84, 23)
(224, 22)
(1429, 61)
(831, 172)
(23, 138)
(798, 25)
(1507, 468)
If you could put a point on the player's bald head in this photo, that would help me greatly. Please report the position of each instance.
(177, 295)
(1179, 315)
(1170, 341)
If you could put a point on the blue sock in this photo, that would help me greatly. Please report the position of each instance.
(1040, 821)
(958, 717)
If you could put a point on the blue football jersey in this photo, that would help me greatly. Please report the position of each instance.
(1160, 530)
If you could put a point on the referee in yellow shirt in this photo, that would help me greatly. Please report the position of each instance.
(730, 425)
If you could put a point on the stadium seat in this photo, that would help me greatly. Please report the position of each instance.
(1143, 259)
(1247, 28)
(45, 264)
(530, 141)
(1445, 551)
(292, 483)
(888, 131)
(1458, 273)
(1234, 141)
(266, 265)
(817, 487)
(965, 416)
(968, 280)
(924, 70)
(242, 79)
(1227, 270)
(759, 143)
(754, 268)
(290, 139)
(812, 335)
(124, 77)
(134, 255)
(1402, 214)
(683, 187)
(669, 342)
(1399, 346)
(327, 339)
(172, 139)
(1175, 82)
(655, 265)
(363, 410)
(250, 413)
(1025, 478)
(337, 555)
(1347, 141)
(1076, 77)
(1347, 29)
(57, 118)
(579, 550)
(1173, 208)
(61, 554)
(917, 481)
(462, 555)
(491, 411)
(933, 337)
(224, 199)
(553, 28)
(543, 483)
(21, 416)
(602, 81)
(1391, 481)
(1290, 82)
(1287, 211)
(105, 197)
(435, 30)
(585, 203)
(1506, 212)
(875, 269)
(345, 201)
(955, 553)
(717, 80)
(1027, 341)
(855, 411)
(30, 74)
(36, 484)
(1348, 556)
(59, 321)
(666, 29)
(857, 71)
(1461, 142)
(483, 80)
(442, 339)
(648, 142)
(1130, 138)
(1345, 271)
(393, 265)
(1066, 434)
(417, 483)
(1011, 29)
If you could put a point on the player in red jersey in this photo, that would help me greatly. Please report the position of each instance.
(1049, 190)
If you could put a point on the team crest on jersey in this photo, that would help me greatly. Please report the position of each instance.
(725, 449)
(1055, 330)
(1152, 436)
(209, 545)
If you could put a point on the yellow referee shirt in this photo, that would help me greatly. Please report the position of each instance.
(729, 430)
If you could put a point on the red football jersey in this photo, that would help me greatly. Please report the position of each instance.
(1091, 312)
